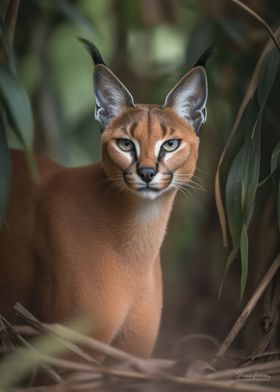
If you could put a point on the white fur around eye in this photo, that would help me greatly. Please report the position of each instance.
(158, 147)
(170, 154)
(125, 154)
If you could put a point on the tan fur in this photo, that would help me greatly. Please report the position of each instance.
(82, 242)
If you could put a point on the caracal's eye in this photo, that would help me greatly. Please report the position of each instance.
(171, 145)
(125, 145)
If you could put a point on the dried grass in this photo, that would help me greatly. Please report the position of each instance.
(77, 370)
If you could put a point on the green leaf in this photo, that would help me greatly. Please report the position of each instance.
(278, 207)
(275, 173)
(244, 259)
(235, 28)
(198, 41)
(243, 177)
(233, 198)
(6, 46)
(251, 169)
(267, 76)
(5, 172)
(275, 159)
(231, 257)
(72, 13)
(237, 180)
(18, 106)
(241, 189)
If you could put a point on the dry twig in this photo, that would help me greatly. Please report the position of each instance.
(86, 376)
(259, 19)
(249, 307)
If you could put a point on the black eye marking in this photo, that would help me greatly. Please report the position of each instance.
(127, 172)
(161, 155)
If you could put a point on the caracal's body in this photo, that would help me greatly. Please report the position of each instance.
(86, 241)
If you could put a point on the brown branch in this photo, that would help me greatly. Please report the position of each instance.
(85, 375)
(274, 353)
(249, 307)
(203, 384)
(259, 19)
(92, 344)
(11, 17)
(64, 334)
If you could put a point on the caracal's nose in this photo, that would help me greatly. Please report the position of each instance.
(147, 173)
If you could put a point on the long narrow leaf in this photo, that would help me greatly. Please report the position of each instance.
(267, 75)
(243, 178)
(18, 106)
(251, 170)
(5, 172)
(6, 47)
(231, 257)
(247, 97)
(244, 259)
(275, 159)
(237, 180)
(278, 207)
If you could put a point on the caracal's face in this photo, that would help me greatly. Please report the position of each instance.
(149, 150)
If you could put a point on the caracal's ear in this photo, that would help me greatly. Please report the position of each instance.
(110, 94)
(188, 97)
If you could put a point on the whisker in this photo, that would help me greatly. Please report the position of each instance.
(116, 182)
(189, 183)
(193, 187)
(186, 179)
(201, 170)
(189, 177)
(110, 179)
(185, 192)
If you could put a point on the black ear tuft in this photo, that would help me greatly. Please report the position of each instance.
(203, 59)
(93, 51)
(111, 96)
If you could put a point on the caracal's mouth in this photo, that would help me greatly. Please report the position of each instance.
(150, 191)
(148, 188)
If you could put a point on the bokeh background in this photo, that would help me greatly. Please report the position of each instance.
(149, 45)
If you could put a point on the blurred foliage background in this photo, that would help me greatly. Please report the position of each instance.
(149, 45)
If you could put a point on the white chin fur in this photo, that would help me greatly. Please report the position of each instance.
(152, 195)
(148, 194)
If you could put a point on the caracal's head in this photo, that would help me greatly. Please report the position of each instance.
(149, 149)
